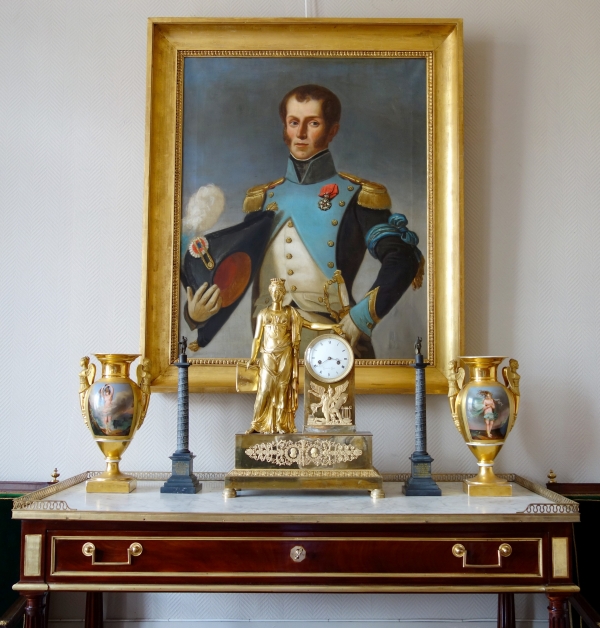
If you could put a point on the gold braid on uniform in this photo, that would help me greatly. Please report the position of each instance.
(375, 196)
(255, 196)
(372, 195)
(417, 282)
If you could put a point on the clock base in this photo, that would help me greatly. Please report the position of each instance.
(305, 462)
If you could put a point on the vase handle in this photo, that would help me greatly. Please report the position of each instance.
(144, 378)
(511, 380)
(86, 379)
(456, 379)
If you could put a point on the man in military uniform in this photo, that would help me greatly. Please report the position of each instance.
(325, 220)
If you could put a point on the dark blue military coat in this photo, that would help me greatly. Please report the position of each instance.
(339, 231)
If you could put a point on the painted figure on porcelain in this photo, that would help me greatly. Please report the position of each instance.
(487, 412)
(111, 409)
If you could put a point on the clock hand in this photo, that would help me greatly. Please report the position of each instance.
(322, 362)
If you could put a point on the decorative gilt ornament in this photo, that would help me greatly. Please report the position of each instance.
(343, 297)
(320, 453)
(484, 412)
(113, 409)
(330, 405)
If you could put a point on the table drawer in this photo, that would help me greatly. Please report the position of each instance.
(261, 556)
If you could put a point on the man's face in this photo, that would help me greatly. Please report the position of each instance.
(305, 131)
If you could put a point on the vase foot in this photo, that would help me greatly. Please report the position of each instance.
(103, 485)
(477, 489)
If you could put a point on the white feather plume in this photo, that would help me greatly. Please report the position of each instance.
(203, 209)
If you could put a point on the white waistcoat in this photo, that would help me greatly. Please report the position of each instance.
(287, 258)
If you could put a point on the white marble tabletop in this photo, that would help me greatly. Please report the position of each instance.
(146, 503)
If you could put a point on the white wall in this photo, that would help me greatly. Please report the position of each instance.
(72, 99)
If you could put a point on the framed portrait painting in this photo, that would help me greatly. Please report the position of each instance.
(327, 153)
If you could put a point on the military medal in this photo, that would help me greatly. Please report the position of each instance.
(327, 193)
(199, 248)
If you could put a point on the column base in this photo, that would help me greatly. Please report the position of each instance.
(182, 479)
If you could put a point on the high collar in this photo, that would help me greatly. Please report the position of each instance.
(318, 168)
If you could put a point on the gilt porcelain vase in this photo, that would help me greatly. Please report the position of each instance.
(484, 412)
(113, 408)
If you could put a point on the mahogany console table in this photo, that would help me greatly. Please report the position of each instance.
(295, 542)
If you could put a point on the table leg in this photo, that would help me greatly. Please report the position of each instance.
(558, 610)
(47, 610)
(35, 609)
(94, 612)
(506, 610)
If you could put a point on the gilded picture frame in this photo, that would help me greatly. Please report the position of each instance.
(179, 132)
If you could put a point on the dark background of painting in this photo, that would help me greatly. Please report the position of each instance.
(232, 138)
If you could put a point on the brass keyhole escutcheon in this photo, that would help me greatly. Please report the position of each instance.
(298, 553)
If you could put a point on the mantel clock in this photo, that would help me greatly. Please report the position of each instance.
(329, 453)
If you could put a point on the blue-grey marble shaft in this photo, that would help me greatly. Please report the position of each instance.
(420, 412)
(183, 406)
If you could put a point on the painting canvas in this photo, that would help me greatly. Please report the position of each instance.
(326, 153)
(233, 139)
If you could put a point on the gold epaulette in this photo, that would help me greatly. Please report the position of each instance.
(372, 195)
(255, 196)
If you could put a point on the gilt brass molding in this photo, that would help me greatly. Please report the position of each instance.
(560, 557)
(311, 473)
(308, 588)
(30, 586)
(32, 555)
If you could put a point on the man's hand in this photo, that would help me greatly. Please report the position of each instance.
(350, 330)
(251, 364)
(205, 303)
(352, 334)
(338, 330)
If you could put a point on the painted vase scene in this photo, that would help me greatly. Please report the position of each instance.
(488, 411)
(111, 408)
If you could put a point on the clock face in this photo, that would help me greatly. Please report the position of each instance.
(329, 358)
